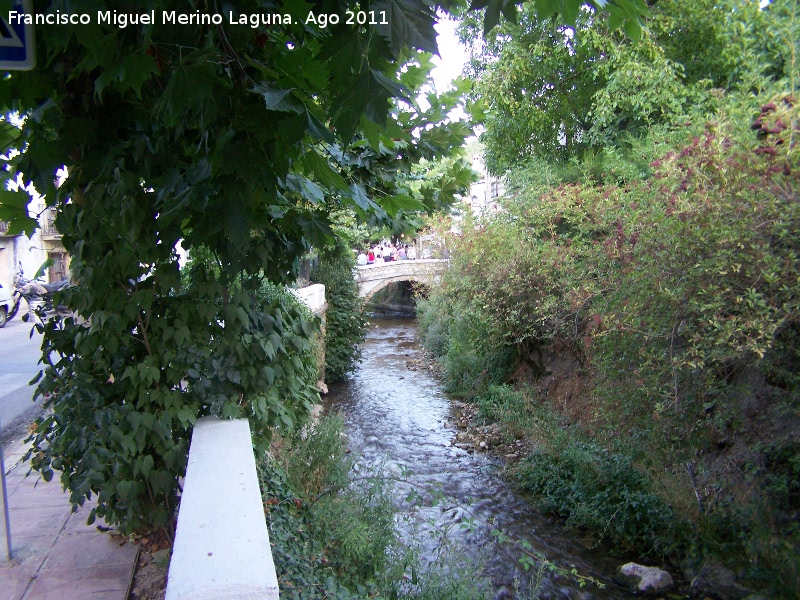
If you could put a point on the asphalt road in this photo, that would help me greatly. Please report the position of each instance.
(19, 358)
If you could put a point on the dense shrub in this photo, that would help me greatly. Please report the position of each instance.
(345, 321)
(593, 488)
(434, 325)
(679, 293)
(506, 405)
(474, 354)
(127, 443)
(709, 258)
(331, 538)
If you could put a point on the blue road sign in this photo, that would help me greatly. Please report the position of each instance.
(17, 49)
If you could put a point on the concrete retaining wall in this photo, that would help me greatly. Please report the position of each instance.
(313, 296)
(221, 549)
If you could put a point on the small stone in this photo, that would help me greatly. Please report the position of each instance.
(482, 444)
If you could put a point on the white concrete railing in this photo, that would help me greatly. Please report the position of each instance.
(221, 549)
(313, 296)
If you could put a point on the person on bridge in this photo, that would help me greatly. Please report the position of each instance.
(371, 256)
(361, 259)
(411, 253)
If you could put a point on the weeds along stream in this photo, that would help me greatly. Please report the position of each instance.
(396, 417)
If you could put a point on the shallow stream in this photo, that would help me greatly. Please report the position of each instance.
(397, 416)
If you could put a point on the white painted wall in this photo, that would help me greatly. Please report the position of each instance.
(20, 249)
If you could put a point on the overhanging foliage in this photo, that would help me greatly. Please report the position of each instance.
(233, 141)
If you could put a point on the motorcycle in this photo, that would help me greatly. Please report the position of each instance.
(35, 293)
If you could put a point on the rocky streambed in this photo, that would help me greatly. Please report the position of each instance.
(399, 420)
(470, 432)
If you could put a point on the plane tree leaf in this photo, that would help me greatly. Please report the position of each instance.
(409, 23)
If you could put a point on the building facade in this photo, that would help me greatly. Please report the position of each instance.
(32, 253)
(484, 194)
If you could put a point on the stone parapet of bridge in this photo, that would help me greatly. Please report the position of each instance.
(372, 278)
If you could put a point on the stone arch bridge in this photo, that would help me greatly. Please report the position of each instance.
(371, 278)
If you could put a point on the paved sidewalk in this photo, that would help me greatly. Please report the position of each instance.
(55, 555)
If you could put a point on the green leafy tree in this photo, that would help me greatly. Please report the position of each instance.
(553, 92)
(625, 14)
(225, 138)
(535, 83)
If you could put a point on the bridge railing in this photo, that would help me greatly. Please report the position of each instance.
(403, 263)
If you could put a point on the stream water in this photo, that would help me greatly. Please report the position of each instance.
(397, 418)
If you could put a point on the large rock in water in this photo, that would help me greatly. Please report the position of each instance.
(716, 581)
(646, 580)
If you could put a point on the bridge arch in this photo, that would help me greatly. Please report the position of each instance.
(384, 283)
(372, 278)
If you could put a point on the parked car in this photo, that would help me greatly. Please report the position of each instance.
(5, 305)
